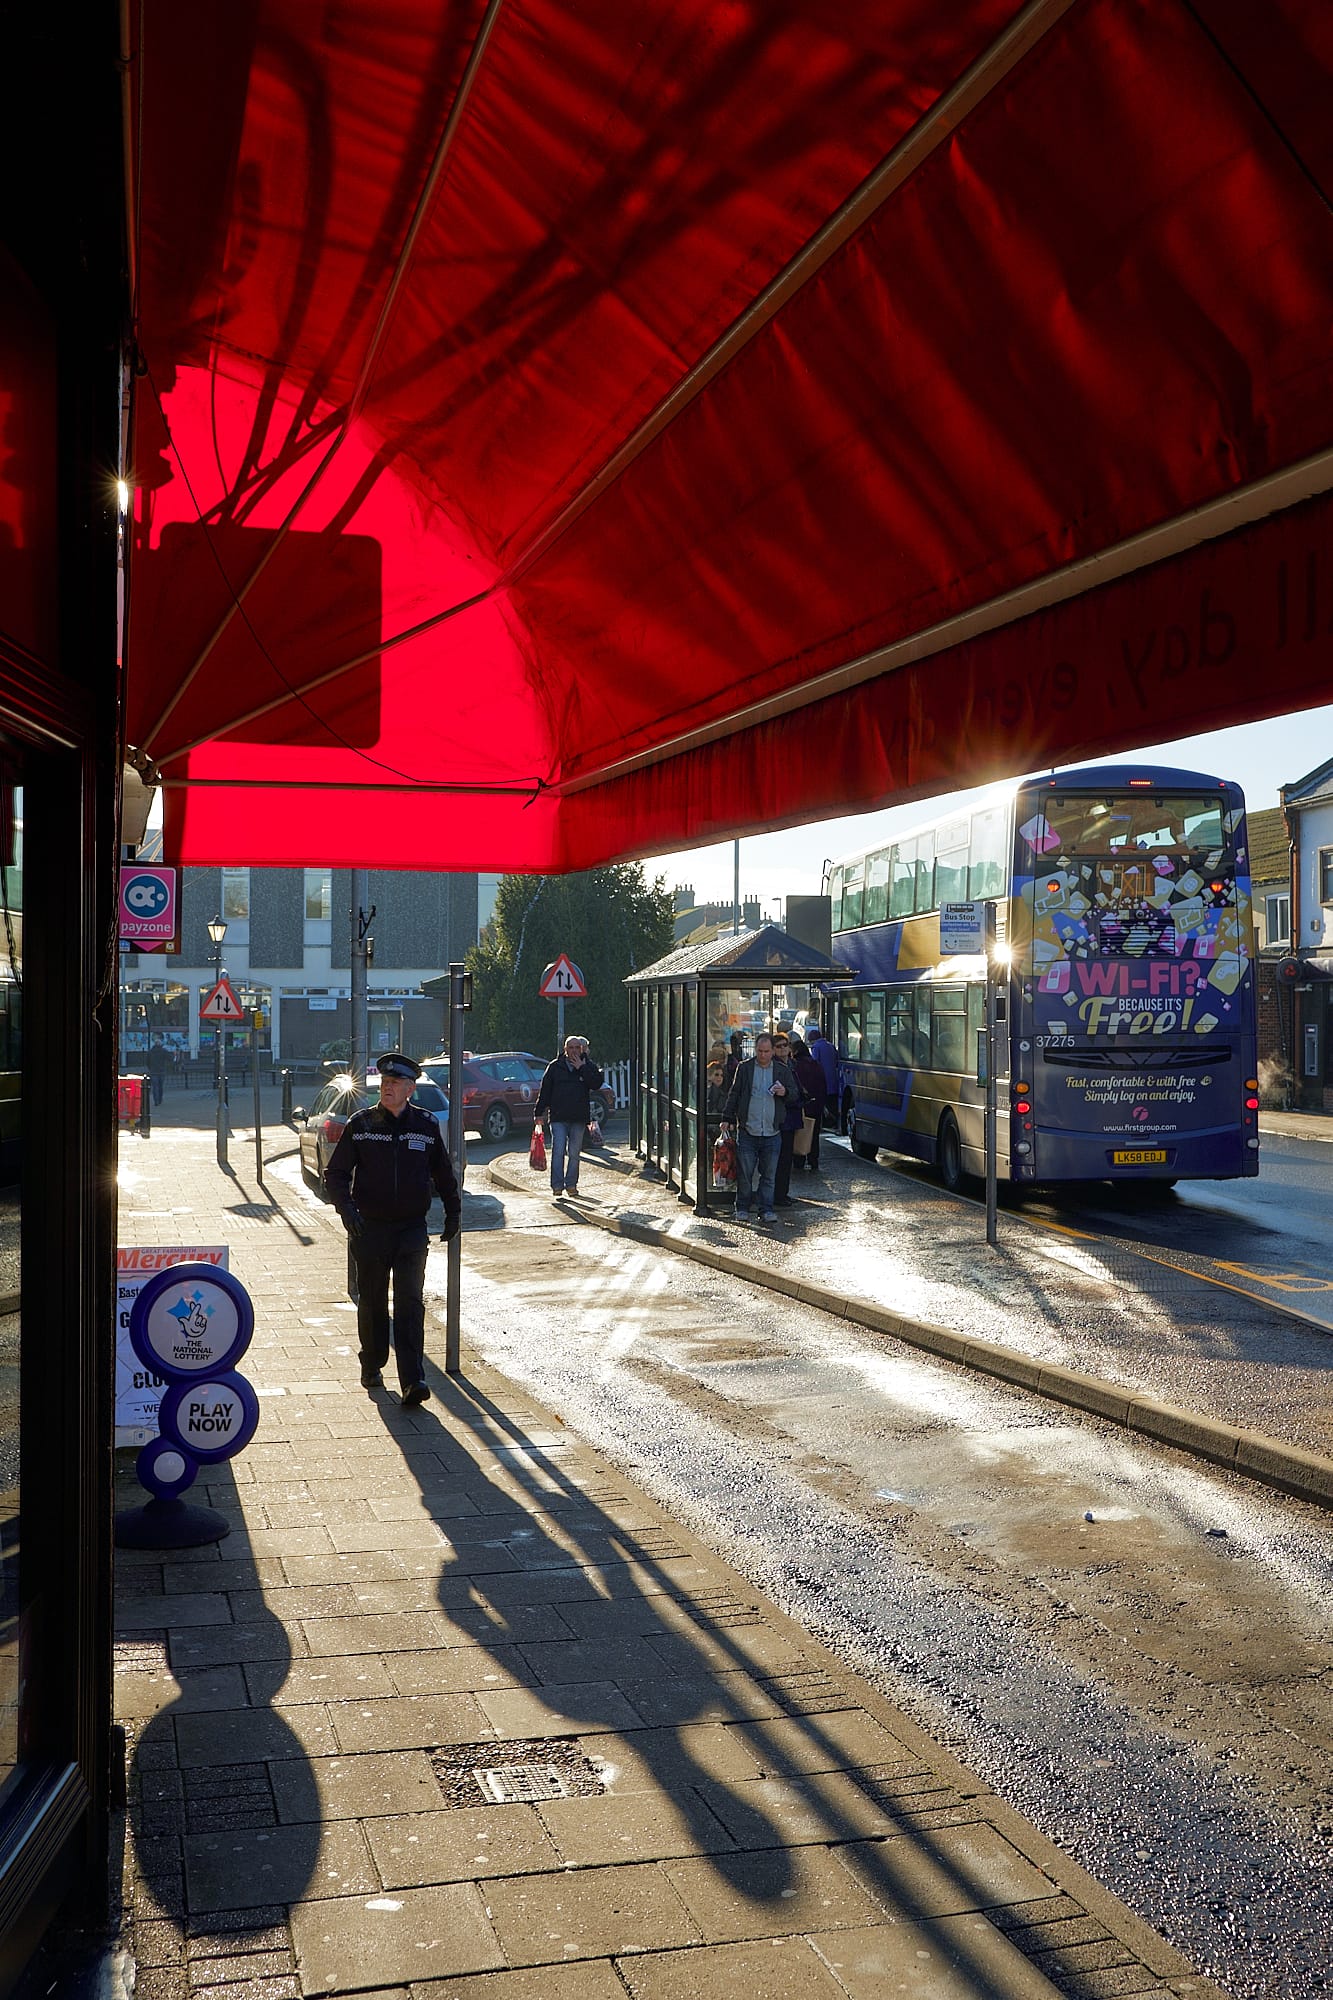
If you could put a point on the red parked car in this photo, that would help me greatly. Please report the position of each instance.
(499, 1090)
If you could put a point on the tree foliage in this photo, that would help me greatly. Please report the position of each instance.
(611, 922)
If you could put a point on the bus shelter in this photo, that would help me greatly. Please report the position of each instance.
(688, 1012)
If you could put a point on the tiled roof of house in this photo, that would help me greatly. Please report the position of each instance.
(1270, 853)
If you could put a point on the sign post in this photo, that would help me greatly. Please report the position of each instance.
(219, 1007)
(460, 1000)
(968, 930)
(256, 1022)
(562, 980)
(991, 1080)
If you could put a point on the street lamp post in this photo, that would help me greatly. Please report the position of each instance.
(217, 930)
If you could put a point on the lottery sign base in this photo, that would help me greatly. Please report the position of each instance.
(169, 1524)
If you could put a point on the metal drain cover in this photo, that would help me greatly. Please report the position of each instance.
(510, 1784)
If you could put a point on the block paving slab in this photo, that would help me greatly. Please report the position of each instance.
(752, 1817)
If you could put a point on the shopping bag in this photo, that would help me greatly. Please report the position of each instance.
(802, 1142)
(724, 1162)
(537, 1150)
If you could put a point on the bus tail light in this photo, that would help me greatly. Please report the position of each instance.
(1251, 1104)
(1251, 1083)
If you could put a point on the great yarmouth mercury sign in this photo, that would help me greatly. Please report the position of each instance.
(190, 1325)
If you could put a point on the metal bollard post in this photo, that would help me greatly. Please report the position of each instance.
(286, 1076)
(146, 1110)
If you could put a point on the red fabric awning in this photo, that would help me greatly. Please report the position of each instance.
(566, 432)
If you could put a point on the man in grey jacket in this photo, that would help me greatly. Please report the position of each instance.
(756, 1105)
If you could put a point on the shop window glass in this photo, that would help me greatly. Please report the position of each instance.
(11, 1071)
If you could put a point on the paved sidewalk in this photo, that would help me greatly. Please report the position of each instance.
(404, 1601)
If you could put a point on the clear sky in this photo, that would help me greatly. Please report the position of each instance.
(1260, 756)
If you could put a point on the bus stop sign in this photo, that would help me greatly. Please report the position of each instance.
(962, 930)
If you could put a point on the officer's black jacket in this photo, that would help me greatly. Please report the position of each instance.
(388, 1168)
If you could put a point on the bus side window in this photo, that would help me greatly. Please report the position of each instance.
(849, 1010)
(976, 1015)
(852, 895)
(902, 894)
(989, 862)
(951, 876)
(876, 907)
(949, 1029)
(898, 1030)
(872, 1043)
(835, 899)
(921, 1027)
(925, 873)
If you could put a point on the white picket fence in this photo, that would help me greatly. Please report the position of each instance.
(615, 1076)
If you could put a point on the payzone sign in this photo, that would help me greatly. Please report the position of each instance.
(148, 905)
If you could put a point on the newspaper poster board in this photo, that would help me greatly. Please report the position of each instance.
(138, 1392)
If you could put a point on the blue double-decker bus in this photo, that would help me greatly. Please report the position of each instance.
(1126, 983)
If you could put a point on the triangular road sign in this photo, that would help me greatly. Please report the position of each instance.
(222, 1004)
(562, 980)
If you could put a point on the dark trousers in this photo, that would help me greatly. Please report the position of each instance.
(782, 1179)
(382, 1251)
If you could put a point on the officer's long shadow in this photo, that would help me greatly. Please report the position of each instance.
(224, 1812)
(607, 1585)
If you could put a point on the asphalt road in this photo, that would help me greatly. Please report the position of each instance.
(1270, 1237)
(1132, 1648)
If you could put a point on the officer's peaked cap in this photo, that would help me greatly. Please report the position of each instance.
(397, 1064)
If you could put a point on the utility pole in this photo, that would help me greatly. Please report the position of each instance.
(361, 920)
(460, 1000)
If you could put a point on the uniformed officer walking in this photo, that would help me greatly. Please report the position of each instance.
(389, 1160)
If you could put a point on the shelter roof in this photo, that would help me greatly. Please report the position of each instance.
(567, 430)
(764, 957)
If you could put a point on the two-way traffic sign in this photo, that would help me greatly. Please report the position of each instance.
(222, 1004)
(563, 980)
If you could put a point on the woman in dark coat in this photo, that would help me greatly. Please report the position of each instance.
(810, 1076)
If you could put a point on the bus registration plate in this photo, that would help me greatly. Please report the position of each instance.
(1139, 1156)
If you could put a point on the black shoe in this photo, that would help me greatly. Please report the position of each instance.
(782, 1201)
(375, 1381)
(418, 1393)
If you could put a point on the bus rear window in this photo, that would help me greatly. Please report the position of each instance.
(1135, 823)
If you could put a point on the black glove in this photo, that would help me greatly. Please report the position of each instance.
(450, 1230)
(353, 1222)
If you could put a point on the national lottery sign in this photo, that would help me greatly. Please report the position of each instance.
(190, 1325)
